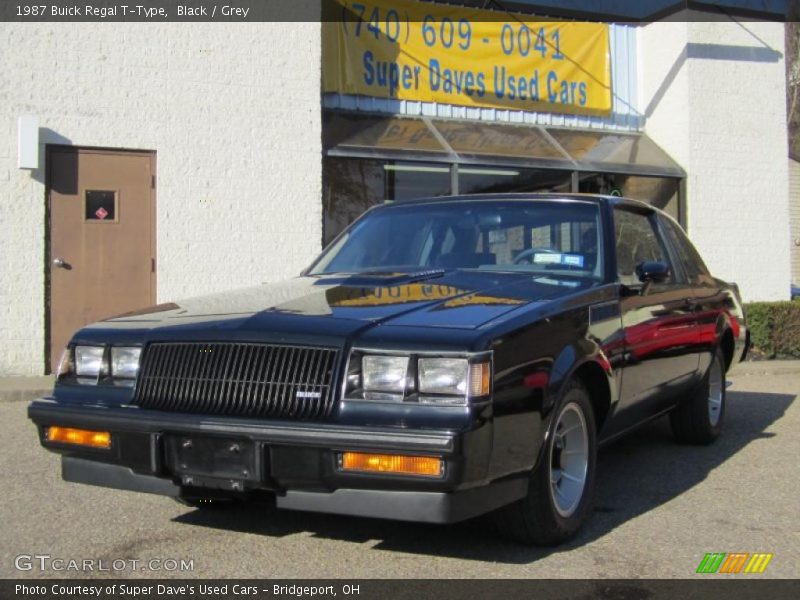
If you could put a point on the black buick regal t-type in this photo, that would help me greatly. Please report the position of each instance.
(441, 359)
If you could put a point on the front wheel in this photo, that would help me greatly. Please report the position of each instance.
(561, 487)
(698, 420)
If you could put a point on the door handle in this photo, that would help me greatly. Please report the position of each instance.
(690, 304)
(60, 263)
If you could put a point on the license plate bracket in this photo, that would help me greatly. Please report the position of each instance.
(206, 461)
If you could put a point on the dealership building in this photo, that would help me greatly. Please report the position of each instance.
(146, 162)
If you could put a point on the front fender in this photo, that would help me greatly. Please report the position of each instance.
(588, 362)
(533, 364)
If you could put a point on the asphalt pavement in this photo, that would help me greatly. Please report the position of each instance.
(659, 508)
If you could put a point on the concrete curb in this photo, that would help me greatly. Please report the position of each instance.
(23, 395)
(767, 367)
(24, 389)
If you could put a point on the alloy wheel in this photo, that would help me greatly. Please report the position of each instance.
(715, 390)
(569, 459)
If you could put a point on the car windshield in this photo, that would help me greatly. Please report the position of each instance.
(558, 238)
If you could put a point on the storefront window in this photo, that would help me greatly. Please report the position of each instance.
(661, 192)
(372, 158)
(484, 180)
(406, 180)
(353, 185)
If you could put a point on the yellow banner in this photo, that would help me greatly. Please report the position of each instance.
(408, 50)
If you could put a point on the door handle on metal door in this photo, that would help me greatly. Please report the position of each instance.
(60, 263)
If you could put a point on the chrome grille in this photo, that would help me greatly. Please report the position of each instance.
(241, 379)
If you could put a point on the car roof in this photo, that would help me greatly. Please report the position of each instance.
(598, 198)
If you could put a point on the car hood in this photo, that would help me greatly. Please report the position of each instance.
(339, 305)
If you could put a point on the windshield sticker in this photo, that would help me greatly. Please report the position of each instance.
(557, 258)
(573, 260)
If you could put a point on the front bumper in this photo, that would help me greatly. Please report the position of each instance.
(418, 506)
(297, 461)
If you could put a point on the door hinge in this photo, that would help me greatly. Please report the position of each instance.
(152, 182)
(152, 265)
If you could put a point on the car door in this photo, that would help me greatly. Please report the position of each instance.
(709, 299)
(659, 326)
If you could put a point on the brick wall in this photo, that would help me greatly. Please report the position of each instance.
(714, 97)
(233, 112)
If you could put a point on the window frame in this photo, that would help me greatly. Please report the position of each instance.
(702, 273)
(652, 216)
(85, 202)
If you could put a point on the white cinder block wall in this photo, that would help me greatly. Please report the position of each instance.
(794, 209)
(233, 113)
(714, 97)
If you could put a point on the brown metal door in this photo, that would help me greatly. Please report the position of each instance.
(102, 237)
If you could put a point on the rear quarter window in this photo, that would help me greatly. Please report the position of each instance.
(696, 270)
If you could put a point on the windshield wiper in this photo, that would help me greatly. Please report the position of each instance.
(388, 277)
(422, 275)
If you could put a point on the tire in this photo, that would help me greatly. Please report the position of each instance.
(546, 517)
(699, 419)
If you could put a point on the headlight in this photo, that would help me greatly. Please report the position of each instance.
(443, 376)
(125, 362)
(66, 366)
(443, 380)
(90, 365)
(385, 373)
(89, 361)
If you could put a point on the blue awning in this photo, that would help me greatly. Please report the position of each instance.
(636, 10)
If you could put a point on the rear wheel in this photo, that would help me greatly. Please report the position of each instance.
(561, 487)
(699, 419)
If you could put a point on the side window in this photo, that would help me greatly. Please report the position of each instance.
(636, 242)
(694, 266)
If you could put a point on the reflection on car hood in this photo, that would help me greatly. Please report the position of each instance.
(460, 299)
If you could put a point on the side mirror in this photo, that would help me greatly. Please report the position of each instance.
(653, 272)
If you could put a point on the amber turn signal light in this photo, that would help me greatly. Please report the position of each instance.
(480, 376)
(391, 463)
(79, 437)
